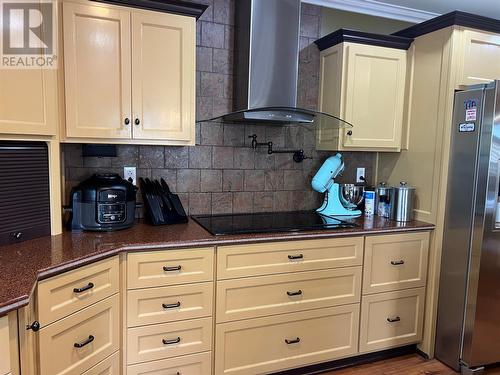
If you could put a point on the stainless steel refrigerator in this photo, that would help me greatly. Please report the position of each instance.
(468, 324)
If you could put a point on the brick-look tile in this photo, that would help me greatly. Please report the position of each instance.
(263, 201)
(169, 175)
(211, 180)
(203, 59)
(229, 37)
(200, 157)
(126, 156)
(213, 84)
(204, 108)
(212, 134)
(234, 135)
(232, 180)
(212, 34)
(311, 9)
(184, 197)
(285, 161)
(208, 14)
(222, 61)
(176, 157)
(294, 180)
(222, 106)
(263, 160)
(188, 180)
(282, 201)
(244, 158)
(151, 157)
(309, 26)
(275, 134)
(200, 203)
(72, 155)
(254, 180)
(96, 162)
(243, 202)
(143, 172)
(222, 157)
(222, 203)
(224, 11)
(258, 130)
(274, 180)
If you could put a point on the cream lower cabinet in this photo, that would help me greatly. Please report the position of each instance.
(9, 352)
(28, 101)
(364, 85)
(129, 75)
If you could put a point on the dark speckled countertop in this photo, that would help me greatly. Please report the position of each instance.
(21, 265)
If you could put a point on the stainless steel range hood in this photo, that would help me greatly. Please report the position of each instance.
(267, 63)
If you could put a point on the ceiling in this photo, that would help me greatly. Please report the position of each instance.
(413, 10)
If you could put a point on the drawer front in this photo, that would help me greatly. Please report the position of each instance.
(290, 256)
(391, 319)
(169, 267)
(160, 305)
(277, 294)
(72, 291)
(195, 364)
(168, 340)
(110, 366)
(95, 329)
(396, 261)
(258, 345)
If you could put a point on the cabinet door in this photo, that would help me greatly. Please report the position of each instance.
(97, 71)
(374, 98)
(163, 76)
(28, 101)
(481, 62)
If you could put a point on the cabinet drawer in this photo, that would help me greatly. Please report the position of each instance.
(195, 364)
(168, 340)
(290, 256)
(396, 261)
(159, 305)
(170, 267)
(277, 294)
(391, 319)
(72, 291)
(258, 345)
(110, 366)
(95, 329)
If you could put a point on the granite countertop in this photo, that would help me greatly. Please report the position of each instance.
(22, 264)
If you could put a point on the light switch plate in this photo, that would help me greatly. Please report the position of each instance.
(130, 173)
(360, 172)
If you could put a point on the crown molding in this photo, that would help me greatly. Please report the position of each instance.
(377, 8)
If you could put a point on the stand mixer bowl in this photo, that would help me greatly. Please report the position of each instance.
(352, 194)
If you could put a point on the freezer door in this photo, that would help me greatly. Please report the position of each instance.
(481, 341)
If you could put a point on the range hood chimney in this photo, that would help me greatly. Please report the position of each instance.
(267, 64)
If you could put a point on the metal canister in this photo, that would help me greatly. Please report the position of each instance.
(405, 196)
(384, 200)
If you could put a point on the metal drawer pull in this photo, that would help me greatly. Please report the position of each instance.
(393, 320)
(84, 288)
(170, 342)
(83, 343)
(397, 262)
(171, 305)
(292, 257)
(170, 269)
(294, 341)
(297, 293)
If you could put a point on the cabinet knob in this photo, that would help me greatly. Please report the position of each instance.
(349, 132)
(35, 326)
(137, 121)
(127, 121)
(17, 235)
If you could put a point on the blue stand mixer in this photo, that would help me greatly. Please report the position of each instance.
(339, 200)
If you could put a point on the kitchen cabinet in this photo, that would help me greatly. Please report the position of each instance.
(28, 102)
(129, 75)
(364, 85)
(9, 354)
(441, 61)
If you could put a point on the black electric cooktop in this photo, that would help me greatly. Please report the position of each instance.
(291, 221)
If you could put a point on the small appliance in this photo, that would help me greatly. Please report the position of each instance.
(385, 203)
(337, 201)
(103, 202)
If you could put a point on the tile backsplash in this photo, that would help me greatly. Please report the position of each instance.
(222, 174)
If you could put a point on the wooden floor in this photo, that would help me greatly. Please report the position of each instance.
(411, 364)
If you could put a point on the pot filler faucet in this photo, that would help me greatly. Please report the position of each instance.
(323, 182)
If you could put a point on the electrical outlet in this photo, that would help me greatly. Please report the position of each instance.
(360, 172)
(129, 174)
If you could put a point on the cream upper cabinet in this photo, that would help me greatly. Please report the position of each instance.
(28, 101)
(97, 71)
(163, 76)
(129, 75)
(364, 85)
(481, 57)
